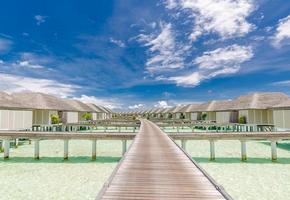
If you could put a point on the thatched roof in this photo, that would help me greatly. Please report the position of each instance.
(8, 102)
(177, 109)
(104, 110)
(153, 110)
(160, 110)
(107, 109)
(166, 110)
(284, 104)
(192, 108)
(94, 107)
(79, 106)
(258, 100)
(224, 105)
(40, 101)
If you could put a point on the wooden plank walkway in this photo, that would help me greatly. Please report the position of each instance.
(156, 168)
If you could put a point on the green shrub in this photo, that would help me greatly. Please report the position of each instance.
(204, 116)
(182, 116)
(55, 119)
(243, 120)
(87, 116)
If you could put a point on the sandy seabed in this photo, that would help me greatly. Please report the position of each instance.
(22, 177)
(51, 177)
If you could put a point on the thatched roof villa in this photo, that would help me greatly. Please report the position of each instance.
(256, 107)
(281, 115)
(14, 115)
(43, 106)
(98, 113)
(77, 115)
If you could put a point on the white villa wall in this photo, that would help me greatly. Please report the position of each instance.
(223, 117)
(71, 117)
(15, 119)
(193, 116)
(282, 119)
(43, 116)
(94, 116)
(257, 116)
(227, 117)
(211, 116)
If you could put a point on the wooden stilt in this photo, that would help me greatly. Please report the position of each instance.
(94, 149)
(36, 149)
(124, 146)
(274, 150)
(6, 148)
(243, 150)
(212, 149)
(65, 150)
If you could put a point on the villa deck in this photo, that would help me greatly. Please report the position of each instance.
(156, 168)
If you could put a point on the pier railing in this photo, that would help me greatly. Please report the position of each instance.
(8, 136)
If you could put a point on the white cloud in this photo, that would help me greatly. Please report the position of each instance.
(164, 52)
(40, 19)
(227, 18)
(5, 45)
(224, 57)
(222, 61)
(136, 106)
(27, 64)
(193, 79)
(107, 102)
(118, 42)
(282, 31)
(282, 83)
(13, 83)
(162, 104)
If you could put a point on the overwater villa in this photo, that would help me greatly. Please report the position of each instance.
(14, 115)
(24, 110)
(224, 112)
(44, 106)
(281, 115)
(79, 113)
(177, 112)
(98, 113)
(256, 108)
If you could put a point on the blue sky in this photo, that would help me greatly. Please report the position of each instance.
(136, 54)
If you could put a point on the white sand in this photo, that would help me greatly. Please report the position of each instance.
(53, 178)
(80, 178)
(258, 178)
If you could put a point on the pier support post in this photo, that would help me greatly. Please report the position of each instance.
(212, 149)
(36, 149)
(6, 148)
(183, 144)
(274, 150)
(124, 146)
(16, 142)
(65, 150)
(243, 150)
(94, 149)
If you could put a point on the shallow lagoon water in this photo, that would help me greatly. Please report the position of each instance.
(80, 178)
(53, 178)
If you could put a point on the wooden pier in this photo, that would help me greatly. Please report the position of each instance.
(155, 167)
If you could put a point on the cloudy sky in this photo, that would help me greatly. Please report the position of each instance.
(133, 54)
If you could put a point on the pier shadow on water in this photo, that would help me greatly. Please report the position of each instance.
(280, 145)
(237, 160)
(71, 160)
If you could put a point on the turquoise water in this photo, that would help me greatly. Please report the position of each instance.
(80, 178)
